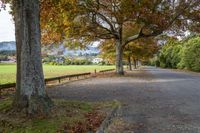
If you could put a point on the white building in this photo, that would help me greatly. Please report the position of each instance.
(97, 60)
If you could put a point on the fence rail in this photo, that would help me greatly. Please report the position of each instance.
(108, 70)
(48, 80)
(66, 76)
(12, 85)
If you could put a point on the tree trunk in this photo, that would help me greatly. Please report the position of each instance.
(119, 58)
(135, 63)
(30, 94)
(129, 63)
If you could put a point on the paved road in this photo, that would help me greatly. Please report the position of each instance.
(153, 100)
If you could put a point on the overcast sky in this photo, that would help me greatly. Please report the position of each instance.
(7, 30)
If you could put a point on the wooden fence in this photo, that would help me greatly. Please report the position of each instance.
(66, 77)
(108, 70)
(10, 87)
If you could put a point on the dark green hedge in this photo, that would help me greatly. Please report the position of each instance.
(180, 54)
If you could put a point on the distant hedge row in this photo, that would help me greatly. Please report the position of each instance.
(70, 62)
(180, 54)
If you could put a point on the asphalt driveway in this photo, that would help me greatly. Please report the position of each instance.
(153, 100)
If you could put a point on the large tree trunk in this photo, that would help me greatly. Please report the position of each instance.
(119, 58)
(30, 95)
(129, 63)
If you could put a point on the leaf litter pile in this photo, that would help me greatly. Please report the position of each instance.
(66, 117)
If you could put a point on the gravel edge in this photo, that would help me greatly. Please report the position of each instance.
(107, 121)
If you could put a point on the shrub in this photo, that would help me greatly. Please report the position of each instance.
(67, 62)
(191, 55)
(181, 54)
(176, 55)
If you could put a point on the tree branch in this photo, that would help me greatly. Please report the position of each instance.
(105, 36)
(100, 25)
(106, 21)
(131, 38)
(141, 35)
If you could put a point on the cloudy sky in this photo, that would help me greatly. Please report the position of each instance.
(7, 30)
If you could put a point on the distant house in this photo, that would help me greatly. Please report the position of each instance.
(59, 59)
(12, 58)
(97, 60)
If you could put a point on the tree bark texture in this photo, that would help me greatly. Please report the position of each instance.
(30, 95)
(135, 63)
(119, 58)
(129, 63)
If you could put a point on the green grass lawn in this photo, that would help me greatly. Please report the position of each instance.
(8, 71)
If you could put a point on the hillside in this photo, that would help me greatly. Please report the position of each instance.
(60, 50)
(8, 46)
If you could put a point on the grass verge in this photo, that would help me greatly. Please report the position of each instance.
(8, 72)
(67, 116)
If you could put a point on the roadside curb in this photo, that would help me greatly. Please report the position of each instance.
(107, 121)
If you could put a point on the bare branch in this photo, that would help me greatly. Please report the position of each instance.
(104, 36)
(107, 21)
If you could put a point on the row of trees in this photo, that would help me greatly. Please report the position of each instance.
(140, 50)
(5, 54)
(119, 21)
(8, 52)
(180, 54)
(58, 60)
(83, 21)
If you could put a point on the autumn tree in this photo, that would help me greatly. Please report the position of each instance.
(141, 49)
(30, 97)
(109, 19)
(107, 51)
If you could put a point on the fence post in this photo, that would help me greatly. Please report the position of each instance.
(95, 71)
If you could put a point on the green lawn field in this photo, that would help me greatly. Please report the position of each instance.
(8, 71)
